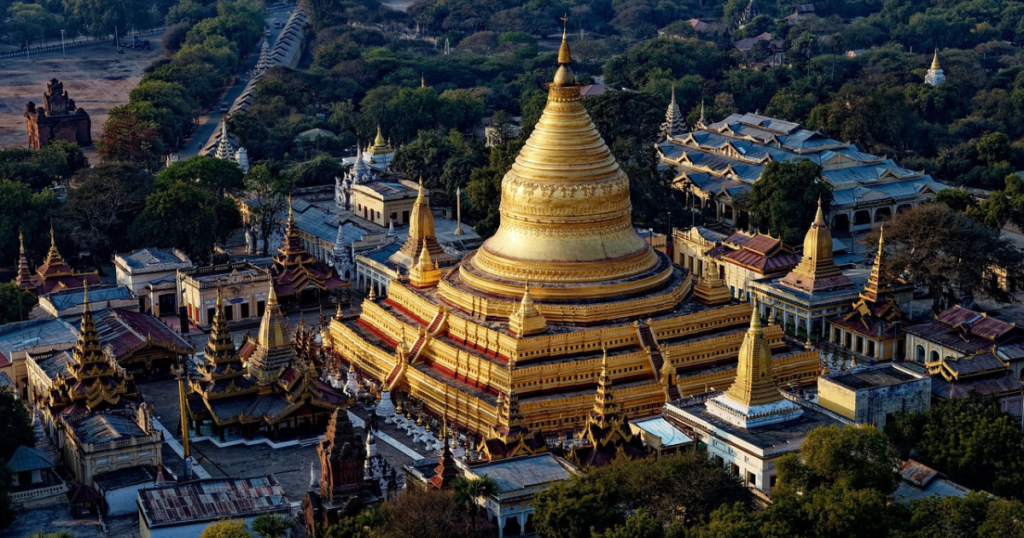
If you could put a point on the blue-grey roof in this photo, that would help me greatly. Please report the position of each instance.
(147, 257)
(382, 254)
(75, 297)
(521, 473)
(105, 427)
(33, 333)
(28, 459)
(669, 435)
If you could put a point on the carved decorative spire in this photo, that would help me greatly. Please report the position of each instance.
(817, 271)
(674, 124)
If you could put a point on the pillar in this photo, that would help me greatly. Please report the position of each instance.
(501, 526)
(521, 518)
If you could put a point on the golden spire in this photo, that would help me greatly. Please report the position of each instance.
(379, 141)
(53, 257)
(271, 295)
(564, 76)
(291, 212)
(421, 227)
(424, 261)
(419, 195)
(21, 242)
(564, 184)
(817, 271)
(423, 80)
(85, 297)
(754, 384)
(372, 296)
(935, 60)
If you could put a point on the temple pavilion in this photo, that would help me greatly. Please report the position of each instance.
(260, 389)
(298, 276)
(528, 317)
(53, 275)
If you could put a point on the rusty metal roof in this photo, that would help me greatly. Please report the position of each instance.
(209, 500)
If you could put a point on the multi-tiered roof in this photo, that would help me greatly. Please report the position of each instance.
(296, 270)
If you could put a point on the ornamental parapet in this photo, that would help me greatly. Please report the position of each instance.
(572, 373)
(800, 368)
(693, 353)
(577, 313)
(675, 327)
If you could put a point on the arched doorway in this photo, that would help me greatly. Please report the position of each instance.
(883, 214)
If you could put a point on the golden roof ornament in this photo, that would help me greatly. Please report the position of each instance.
(564, 76)
(379, 141)
(935, 60)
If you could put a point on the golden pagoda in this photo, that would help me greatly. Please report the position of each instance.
(712, 289)
(526, 318)
(297, 275)
(607, 434)
(221, 372)
(753, 399)
(817, 271)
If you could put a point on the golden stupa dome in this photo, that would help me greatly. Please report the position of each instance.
(755, 383)
(565, 213)
(818, 241)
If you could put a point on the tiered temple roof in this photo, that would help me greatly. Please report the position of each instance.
(295, 270)
(274, 389)
(53, 275)
(607, 434)
(94, 381)
(876, 312)
(726, 158)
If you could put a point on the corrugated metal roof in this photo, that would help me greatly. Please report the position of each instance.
(670, 435)
(208, 500)
(518, 474)
(28, 459)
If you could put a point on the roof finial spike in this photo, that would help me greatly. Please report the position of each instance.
(564, 57)
(291, 213)
(53, 239)
(819, 218)
(935, 59)
(85, 298)
(755, 318)
(21, 241)
(220, 301)
(272, 294)
(673, 93)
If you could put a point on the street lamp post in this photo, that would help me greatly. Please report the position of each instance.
(63, 51)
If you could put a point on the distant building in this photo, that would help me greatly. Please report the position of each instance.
(918, 481)
(97, 443)
(720, 162)
(244, 286)
(183, 510)
(745, 257)
(935, 75)
(58, 119)
(800, 12)
(150, 274)
(120, 488)
(968, 351)
(20, 339)
(69, 303)
(874, 395)
(299, 277)
(662, 437)
(34, 480)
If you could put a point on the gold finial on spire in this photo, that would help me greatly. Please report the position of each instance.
(291, 213)
(564, 57)
(53, 239)
(423, 80)
(819, 218)
(85, 299)
(21, 241)
(420, 197)
(220, 302)
(379, 141)
(935, 60)
(272, 294)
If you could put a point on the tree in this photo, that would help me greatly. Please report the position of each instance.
(784, 201)
(271, 526)
(950, 254)
(320, 170)
(185, 216)
(226, 528)
(266, 199)
(427, 514)
(681, 490)
(102, 203)
(16, 428)
(468, 492)
(15, 304)
(969, 439)
(853, 457)
(216, 175)
(28, 22)
(102, 17)
(128, 137)
(27, 212)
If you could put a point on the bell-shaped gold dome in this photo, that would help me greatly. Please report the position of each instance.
(565, 213)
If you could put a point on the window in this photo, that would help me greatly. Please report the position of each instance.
(244, 308)
(772, 480)
(260, 307)
(229, 312)
(934, 356)
(919, 353)
(751, 478)
(210, 312)
(735, 469)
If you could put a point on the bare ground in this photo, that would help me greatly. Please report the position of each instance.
(95, 76)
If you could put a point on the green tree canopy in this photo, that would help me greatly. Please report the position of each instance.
(216, 175)
(784, 201)
(969, 439)
(15, 304)
(226, 528)
(186, 216)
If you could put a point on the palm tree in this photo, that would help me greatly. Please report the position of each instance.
(271, 526)
(468, 491)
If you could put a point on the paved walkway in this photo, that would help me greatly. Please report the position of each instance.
(169, 439)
